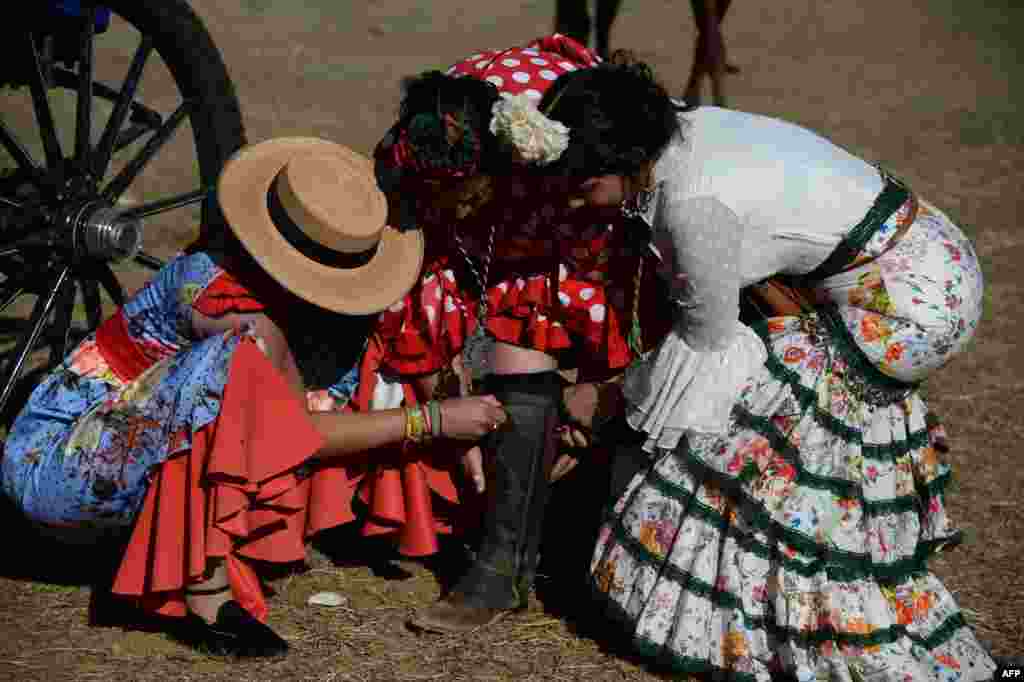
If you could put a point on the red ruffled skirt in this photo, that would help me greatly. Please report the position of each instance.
(410, 493)
(235, 495)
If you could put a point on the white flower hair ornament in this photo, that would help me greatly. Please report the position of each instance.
(517, 121)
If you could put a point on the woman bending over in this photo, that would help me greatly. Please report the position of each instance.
(789, 496)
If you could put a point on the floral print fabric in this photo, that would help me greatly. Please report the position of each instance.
(78, 453)
(798, 541)
(918, 303)
(81, 452)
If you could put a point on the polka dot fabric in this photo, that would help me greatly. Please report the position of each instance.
(426, 329)
(527, 70)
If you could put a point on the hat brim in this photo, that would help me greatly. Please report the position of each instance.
(364, 290)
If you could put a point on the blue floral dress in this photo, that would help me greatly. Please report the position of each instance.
(82, 451)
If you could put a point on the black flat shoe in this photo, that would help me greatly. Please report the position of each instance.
(234, 633)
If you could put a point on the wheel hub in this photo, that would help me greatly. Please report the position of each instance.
(70, 216)
(101, 231)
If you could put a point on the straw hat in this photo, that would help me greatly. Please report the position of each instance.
(310, 212)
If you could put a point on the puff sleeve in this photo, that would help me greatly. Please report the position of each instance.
(692, 379)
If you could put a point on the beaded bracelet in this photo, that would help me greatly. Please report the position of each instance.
(427, 431)
(415, 424)
(434, 412)
(420, 424)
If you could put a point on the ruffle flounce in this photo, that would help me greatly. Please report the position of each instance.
(675, 389)
(421, 333)
(426, 329)
(233, 494)
(797, 541)
(525, 313)
(410, 494)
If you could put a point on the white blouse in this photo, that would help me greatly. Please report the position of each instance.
(737, 198)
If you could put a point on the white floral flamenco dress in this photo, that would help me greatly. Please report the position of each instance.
(790, 498)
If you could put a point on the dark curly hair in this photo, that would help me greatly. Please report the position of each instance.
(429, 97)
(618, 115)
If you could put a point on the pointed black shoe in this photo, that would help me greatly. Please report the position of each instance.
(234, 633)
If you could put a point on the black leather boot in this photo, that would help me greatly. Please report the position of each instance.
(518, 458)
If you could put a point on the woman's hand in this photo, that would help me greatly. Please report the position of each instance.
(473, 464)
(589, 403)
(563, 465)
(471, 418)
(573, 438)
(581, 401)
(473, 467)
(585, 404)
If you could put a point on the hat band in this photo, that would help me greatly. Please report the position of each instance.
(311, 248)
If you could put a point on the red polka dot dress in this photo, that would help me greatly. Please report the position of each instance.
(585, 312)
(412, 494)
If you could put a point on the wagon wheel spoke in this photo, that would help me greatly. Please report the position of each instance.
(91, 299)
(17, 150)
(108, 280)
(9, 293)
(130, 134)
(119, 184)
(151, 262)
(12, 268)
(138, 112)
(59, 332)
(122, 106)
(40, 314)
(169, 204)
(21, 233)
(83, 111)
(44, 115)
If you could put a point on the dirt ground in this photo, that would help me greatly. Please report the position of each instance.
(926, 87)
